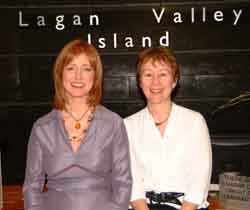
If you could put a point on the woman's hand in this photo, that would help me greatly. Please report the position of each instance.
(139, 204)
(188, 206)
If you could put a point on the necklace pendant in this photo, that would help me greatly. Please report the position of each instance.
(77, 125)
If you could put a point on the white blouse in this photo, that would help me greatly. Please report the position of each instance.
(180, 161)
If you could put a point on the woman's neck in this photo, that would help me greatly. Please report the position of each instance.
(160, 111)
(77, 106)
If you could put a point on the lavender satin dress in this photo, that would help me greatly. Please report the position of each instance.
(96, 177)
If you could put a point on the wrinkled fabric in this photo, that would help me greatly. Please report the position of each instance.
(178, 161)
(96, 177)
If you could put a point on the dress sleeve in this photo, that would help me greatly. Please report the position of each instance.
(34, 175)
(121, 173)
(138, 191)
(199, 163)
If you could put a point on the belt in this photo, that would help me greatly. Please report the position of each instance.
(164, 197)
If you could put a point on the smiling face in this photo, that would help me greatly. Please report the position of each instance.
(78, 78)
(157, 81)
(77, 74)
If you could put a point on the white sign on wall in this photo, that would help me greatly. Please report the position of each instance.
(234, 191)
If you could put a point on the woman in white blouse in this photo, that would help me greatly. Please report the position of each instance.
(170, 145)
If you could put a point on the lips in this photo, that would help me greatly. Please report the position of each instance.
(155, 91)
(77, 84)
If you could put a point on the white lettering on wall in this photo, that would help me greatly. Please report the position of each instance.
(177, 17)
(41, 21)
(192, 15)
(59, 22)
(164, 40)
(203, 14)
(158, 17)
(102, 42)
(77, 20)
(218, 16)
(20, 22)
(89, 38)
(237, 16)
(116, 41)
(195, 15)
(94, 20)
(148, 40)
(129, 42)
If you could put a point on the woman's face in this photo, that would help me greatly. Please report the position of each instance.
(78, 78)
(157, 82)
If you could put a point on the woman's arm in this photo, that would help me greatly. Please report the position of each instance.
(138, 195)
(121, 173)
(137, 169)
(34, 176)
(199, 163)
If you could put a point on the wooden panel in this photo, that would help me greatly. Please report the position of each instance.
(8, 30)
(214, 63)
(119, 64)
(116, 88)
(203, 86)
(234, 158)
(19, 124)
(94, 2)
(187, 35)
(124, 109)
(205, 76)
(36, 79)
(9, 79)
(18, 133)
(191, 63)
(13, 197)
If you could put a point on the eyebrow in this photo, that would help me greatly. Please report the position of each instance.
(73, 64)
(160, 69)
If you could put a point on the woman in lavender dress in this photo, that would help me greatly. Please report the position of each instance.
(80, 146)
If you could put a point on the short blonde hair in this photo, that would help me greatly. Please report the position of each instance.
(66, 55)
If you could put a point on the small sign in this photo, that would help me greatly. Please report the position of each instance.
(234, 191)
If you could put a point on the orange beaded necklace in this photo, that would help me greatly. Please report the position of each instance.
(77, 121)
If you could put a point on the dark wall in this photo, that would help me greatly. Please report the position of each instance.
(214, 53)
